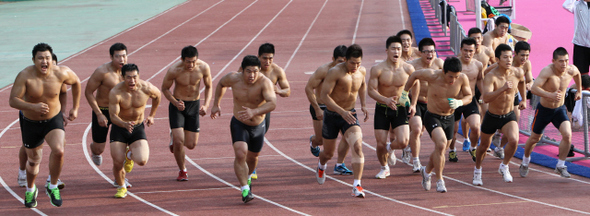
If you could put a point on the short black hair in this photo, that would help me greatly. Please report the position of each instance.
(250, 60)
(468, 41)
(522, 46)
(41, 47)
(403, 32)
(354, 51)
(452, 64)
(392, 39)
(117, 47)
(339, 51)
(425, 42)
(502, 19)
(501, 48)
(189, 52)
(266, 48)
(129, 67)
(560, 51)
(54, 57)
(474, 30)
(585, 81)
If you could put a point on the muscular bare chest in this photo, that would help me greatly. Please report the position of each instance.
(396, 78)
(270, 74)
(244, 94)
(189, 78)
(43, 89)
(133, 100)
(349, 83)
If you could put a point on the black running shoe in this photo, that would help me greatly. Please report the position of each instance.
(31, 198)
(54, 196)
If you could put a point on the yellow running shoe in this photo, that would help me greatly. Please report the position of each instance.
(254, 175)
(128, 162)
(121, 192)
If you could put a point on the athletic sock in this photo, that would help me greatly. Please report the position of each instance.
(416, 160)
(503, 166)
(184, 170)
(22, 172)
(245, 187)
(389, 147)
(49, 178)
(497, 148)
(338, 164)
(356, 182)
(526, 160)
(453, 150)
(386, 167)
(560, 163)
(250, 176)
(472, 147)
(129, 154)
(477, 170)
(31, 189)
(52, 186)
(322, 167)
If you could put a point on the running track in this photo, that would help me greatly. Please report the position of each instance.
(304, 33)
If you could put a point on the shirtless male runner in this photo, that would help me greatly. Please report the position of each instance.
(36, 93)
(499, 35)
(104, 78)
(522, 51)
(185, 108)
(317, 107)
(474, 71)
(386, 84)
(127, 102)
(343, 83)
(408, 52)
(551, 85)
(276, 74)
(22, 155)
(499, 88)
(444, 87)
(428, 60)
(253, 98)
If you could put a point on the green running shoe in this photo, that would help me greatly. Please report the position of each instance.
(31, 198)
(247, 196)
(54, 196)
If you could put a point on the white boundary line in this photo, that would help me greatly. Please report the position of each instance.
(237, 188)
(499, 192)
(358, 20)
(401, 10)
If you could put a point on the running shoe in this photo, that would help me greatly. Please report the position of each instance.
(97, 159)
(440, 186)
(505, 173)
(247, 195)
(453, 156)
(523, 170)
(314, 151)
(320, 175)
(254, 175)
(128, 162)
(425, 178)
(499, 152)
(22, 179)
(562, 171)
(466, 144)
(407, 155)
(383, 174)
(121, 192)
(342, 170)
(31, 198)
(473, 153)
(416, 167)
(126, 183)
(60, 184)
(391, 160)
(54, 196)
(250, 183)
(182, 176)
(477, 179)
(358, 192)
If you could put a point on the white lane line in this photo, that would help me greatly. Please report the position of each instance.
(187, 190)
(4, 183)
(344, 183)
(305, 35)
(85, 150)
(309, 72)
(356, 28)
(401, 10)
(237, 188)
(498, 192)
(110, 38)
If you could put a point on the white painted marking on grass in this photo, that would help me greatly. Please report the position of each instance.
(358, 21)
(344, 183)
(238, 188)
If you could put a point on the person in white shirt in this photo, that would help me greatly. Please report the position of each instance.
(581, 41)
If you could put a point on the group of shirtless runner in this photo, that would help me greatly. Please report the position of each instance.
(413, 89)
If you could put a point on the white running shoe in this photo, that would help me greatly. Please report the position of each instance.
(416, 167)
(440, 186)
(358, 192)
(22, 180)
(126, 183)
(562, 171)
(407, 155)
(97, 159)
(425, 180)
(383, 174)
(60, 184)
(391, 160)
(523, 170)
(499, 152)
(320, 175)
(505, 173)
(477, 179)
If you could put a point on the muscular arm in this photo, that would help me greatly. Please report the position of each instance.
(167, 84)
(480, 76)
(74, 81)
(93, 84)
(528, 75)
(521, 83)
(373, 88)
(540, 81)
(63, 98)
(269, 96)
(488, 41)
(313, 83)
(363, 98)
(578, 80)
(17, 94)
(115, 108)
(285, 90)
(207, 81)
(219, 92)
(466, 90)
(422, 74)
(327, 88)
(156, 96)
